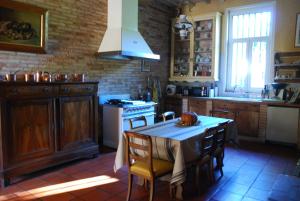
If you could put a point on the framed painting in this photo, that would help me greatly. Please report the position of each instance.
(23, 27)
(297, 37)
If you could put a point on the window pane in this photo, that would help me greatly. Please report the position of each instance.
(251, 25)
(234, 28)
(239, 65)
(249, 52)
(258, 64)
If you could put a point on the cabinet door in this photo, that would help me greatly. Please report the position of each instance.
(174, 104)
(248, 123)
(76, 122)
(197, 106)
(30, 129)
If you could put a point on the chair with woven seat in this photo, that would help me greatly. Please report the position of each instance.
(168, 115)
(206, 155)
(137, 122)
(219, 145)
(140, 162)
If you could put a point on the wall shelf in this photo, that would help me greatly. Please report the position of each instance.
(287, 67)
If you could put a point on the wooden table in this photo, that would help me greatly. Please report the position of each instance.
(175, 143)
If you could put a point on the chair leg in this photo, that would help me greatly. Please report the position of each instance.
(211, 169)
(197, 177)
(151, 189)
(129, 186)
(146, 184)
(220, 164)
(172, 191)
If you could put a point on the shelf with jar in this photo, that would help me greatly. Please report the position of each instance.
(200, 50)
(287, 67)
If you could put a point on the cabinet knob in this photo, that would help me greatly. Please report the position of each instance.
(46, 89)
(14, 91)
(66, 90)
(89, 88)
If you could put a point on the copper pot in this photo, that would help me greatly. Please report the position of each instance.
(29, 77)
(10, 77)
(46, 77)
(79, 77)
(20, 77)
(61, 77)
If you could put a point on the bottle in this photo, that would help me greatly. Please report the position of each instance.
(216, 90)
(211, 91)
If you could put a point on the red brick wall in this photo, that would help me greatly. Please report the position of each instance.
(75, 30)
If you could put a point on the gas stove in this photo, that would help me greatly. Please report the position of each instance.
(116, 114)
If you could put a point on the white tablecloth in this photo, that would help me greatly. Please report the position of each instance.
(175, 143)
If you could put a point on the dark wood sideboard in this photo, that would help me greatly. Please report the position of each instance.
(46, 124)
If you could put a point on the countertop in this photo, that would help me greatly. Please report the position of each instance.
(267, 101)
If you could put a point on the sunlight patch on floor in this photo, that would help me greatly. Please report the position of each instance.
(64, 187)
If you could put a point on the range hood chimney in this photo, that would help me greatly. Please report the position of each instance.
(122, 39)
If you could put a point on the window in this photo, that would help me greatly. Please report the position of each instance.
(249, 49)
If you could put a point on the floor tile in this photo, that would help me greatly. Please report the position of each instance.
(95, 195)
(252, 172)
(258, 194)
(223, 195)
(236, 188)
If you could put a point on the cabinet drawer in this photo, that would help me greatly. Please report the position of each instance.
(29, 91)
(173, 101)
(247, 107)
(66, 89)
(223, 105)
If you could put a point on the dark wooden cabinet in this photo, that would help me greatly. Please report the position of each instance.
(46, 124)
(176, 104)
(248, 123)
(246, 115)
(200, 106)
(76, 122)
(31, 129)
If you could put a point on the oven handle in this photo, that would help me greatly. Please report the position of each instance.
(138, 115)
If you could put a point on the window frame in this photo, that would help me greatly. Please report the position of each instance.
(229, 12)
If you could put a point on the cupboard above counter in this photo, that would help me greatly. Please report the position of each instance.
(196, 57)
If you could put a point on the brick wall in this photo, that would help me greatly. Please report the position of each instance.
(76, 28)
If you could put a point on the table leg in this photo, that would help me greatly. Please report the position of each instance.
(179, 191)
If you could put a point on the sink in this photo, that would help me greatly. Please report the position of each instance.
(238, 98)
(248, 99)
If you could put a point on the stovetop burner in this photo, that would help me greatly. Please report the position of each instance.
(118, 102)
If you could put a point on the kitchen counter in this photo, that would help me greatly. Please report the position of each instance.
(267, 101)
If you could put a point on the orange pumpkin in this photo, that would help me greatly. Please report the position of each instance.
(189, 118)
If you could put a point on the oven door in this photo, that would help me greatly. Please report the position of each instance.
(149, 117)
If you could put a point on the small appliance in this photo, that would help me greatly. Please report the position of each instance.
(199, 91)
(171, 89)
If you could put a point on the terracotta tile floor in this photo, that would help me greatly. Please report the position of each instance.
(252, 172)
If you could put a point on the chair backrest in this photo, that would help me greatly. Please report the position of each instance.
(134, 121)
(138, 148)
(220, 135)
(207, 141)
(168, 114)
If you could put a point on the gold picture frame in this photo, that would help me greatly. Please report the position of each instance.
(23, 27)
(297, 37)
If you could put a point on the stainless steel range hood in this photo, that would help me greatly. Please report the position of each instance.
(122, 39)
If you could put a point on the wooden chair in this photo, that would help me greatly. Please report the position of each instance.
(168, 114)
(134, 120)
(143, 165)
(206, 157)
(219, 145)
